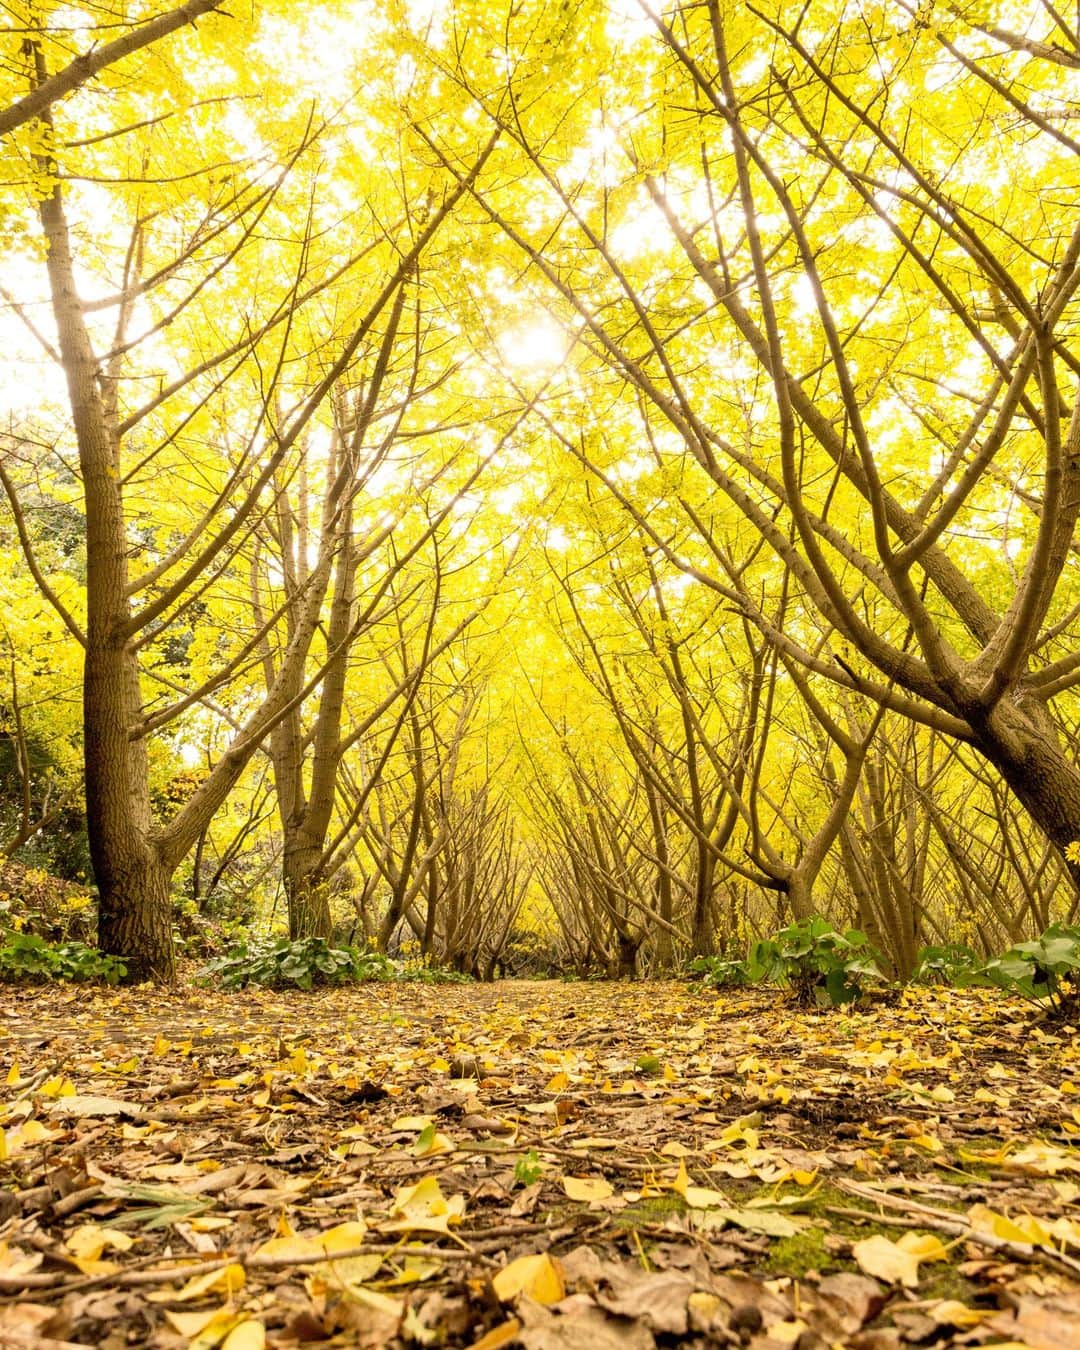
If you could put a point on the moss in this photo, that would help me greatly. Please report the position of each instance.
(798, 1255)
(649, 1211)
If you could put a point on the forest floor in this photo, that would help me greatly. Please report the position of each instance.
(536, 1164)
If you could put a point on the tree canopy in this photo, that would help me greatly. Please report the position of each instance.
(574, 485)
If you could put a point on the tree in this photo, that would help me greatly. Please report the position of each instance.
(81, 69)
(134, 855)
(814, 208)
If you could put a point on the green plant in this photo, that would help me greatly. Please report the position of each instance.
(303, 963)
(307, 963)
(528, 1168)
(1042, 970)
(952, 963)
(25, 956)
(719, 972)
(817, 962)
(423, 973)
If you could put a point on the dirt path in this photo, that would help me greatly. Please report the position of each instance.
(536, 1164)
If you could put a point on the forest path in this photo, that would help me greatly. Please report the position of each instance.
(543, 1164)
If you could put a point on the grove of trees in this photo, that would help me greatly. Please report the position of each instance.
(560, 485)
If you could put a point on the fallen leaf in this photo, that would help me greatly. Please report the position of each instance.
(587, 1189)
(538, 1276)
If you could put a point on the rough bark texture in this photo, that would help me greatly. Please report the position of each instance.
(132, 881)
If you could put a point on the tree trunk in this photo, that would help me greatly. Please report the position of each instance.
(1021, 742)
(135, 915)
(132, 879)
(306, 892)
(702, 934)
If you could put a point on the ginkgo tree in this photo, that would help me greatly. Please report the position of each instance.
(831, 259)
(181, 468)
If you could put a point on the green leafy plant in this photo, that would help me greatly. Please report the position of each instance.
(304, 964)
(422, 973)
(308, 963)
(719, 972)
(952, 963)
(25, 956)
(1042, 970)
(817, 962)
(528, 1168)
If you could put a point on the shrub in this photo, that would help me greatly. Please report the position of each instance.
(951, 963)
(719, 972)
(24, 956)
(308, 963)
(1042, 970)
(819, 964)
(303, 963)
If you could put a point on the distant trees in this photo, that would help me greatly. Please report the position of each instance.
(792, 247)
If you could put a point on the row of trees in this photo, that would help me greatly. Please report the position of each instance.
(622, 458)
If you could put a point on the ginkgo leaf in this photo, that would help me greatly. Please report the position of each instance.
(924, 1247)
(953, 1313)
(293, 1246)
(537, 1276)
(191, 1324)
(228, 1280)
(499, 1337)
(885, 1260)
(1023, 1228)
(697, 1197)
(430, 1141)
(248, 1335)
(88, 1240)
(587, 1189)
(424, 1207)
(762, 1221)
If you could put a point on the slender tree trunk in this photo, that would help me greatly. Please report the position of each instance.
(702, 934)
(132, 878)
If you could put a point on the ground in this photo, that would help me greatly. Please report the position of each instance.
(536, 1164)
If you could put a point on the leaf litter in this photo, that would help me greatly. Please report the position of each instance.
(535, 1164)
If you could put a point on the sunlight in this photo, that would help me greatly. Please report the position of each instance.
(539, 344)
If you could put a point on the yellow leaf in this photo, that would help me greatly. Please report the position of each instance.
(885, 1260)
(951, 1312)
(13, 1076)
(228, 1280)
(89, 1241)
(247, 1336)
(924, 1247)
(1025, 1229)
(424, 1206)
(537, 1276)
(192, 1324)
(587, 1189)
(406, 1124)
(498, 1337)
(431, 1141)
(57, 1087)
(558, 1082)
(292, 1246)
(697, 1197)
